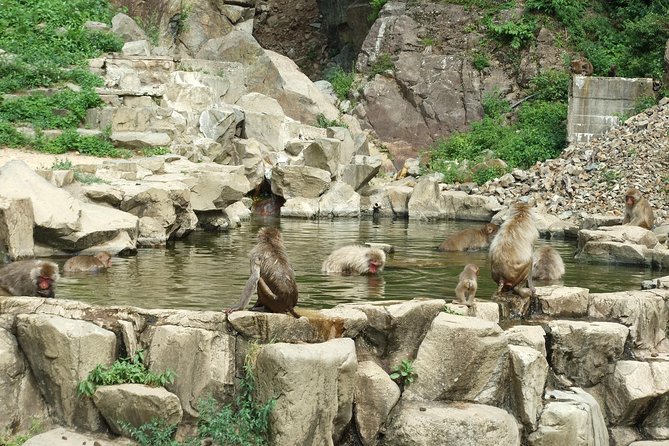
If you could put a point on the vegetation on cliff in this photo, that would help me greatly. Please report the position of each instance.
(624, 38)
(44, 52)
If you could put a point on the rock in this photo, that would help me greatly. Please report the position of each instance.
(299, 181)
(586, 351)
(570, 417)
(527, 335)
(339, 201)
(60, 352)
(137, 48)
(630, 391)
(326, 372)
(61, 436)
(375, 396)
(16, 228)
(126, 28)
(136, 405)
(426, 201)
(563, 302)
(421, 423)
(461, 358)
(208, 370)
(529, 370)
(325, 154)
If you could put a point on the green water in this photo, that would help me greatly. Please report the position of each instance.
(207, 271)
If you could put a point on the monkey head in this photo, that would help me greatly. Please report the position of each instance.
(44, 277)
(376, 260)
(632, 197)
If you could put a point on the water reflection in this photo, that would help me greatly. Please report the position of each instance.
(208, 271)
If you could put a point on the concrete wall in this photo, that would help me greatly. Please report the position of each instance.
(596, 103)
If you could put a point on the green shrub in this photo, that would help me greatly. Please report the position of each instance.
(480, 61)
(62, 110)
(156, 151)
(125, 370)
(376, 5)
(551, 85)
(10, 137)
(71, 140)
(494, 105)
(481, 176)
(403, 373)
(341, 82)
(382, 64)
(324, 122)
(516, 33)
(244, 423)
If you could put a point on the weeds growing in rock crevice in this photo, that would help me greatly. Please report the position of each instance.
(245, 422)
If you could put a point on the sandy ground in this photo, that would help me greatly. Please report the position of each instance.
(37, 160)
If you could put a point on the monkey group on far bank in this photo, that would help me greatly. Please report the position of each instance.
(514, 262)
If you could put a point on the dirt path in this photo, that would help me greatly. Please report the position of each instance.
(38, 160)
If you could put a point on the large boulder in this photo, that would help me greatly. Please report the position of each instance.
(61, 352)
(529, 370)
(18, 386)
(136, 405)
(56, 212)
(462, 358)
(428, 423)
(299, 181)
(426, 201)
(375, 396)
(313, 385)
(203, 361)
(571, 417)
(16, 228)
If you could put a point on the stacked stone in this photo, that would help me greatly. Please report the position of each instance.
(592, 177)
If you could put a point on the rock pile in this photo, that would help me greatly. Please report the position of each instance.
(592, 177)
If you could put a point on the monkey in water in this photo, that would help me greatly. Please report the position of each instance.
(511, 251)
(355, 260)
(637, 210)
(85, 263)
(465, 291)
(547, 264)
(29, 278)
(470, 239)
(271, 276)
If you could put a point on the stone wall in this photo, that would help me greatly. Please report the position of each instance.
(590, 369)
(597, 103)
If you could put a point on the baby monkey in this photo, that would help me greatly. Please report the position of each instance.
(465, 291)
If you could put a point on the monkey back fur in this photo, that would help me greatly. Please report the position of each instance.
(547, 264)
(354, 259)
(20, 278)
(511, 249)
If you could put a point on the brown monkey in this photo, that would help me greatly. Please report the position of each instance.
(29, 278)
(355, 259)
(547, 264)
(271, 275)
(85, 263)
(637, 210)
(581, 66)
(465, 291)
(511, 251)
(470, 239)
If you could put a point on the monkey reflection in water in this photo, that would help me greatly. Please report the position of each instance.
(29, 278)
(271, 276)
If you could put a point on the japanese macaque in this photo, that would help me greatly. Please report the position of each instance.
(511, 251)
(465, 291)
(470, 239)
(29, 278)
(271, 276)
(86, 263)
(355, 259)
(637, 210)
(547, 264)
(581, 66)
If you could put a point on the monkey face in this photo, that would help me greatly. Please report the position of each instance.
(45, 286)
(629, 200)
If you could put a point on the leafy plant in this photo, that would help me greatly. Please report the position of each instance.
(63, 164)
(87, 178)
(517, 33)
(551, 85)
(324, 122)
(382, 64)
(480, 61)
(11, 137)
(376, 5)
(154, 433)
(155, 151)
(403, 373)
(427, 41)
(481, 176)
(341, 82)
(36, 427)
(243, 423)
(124, 370)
